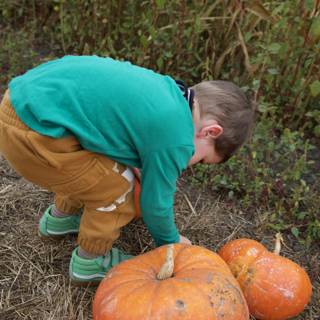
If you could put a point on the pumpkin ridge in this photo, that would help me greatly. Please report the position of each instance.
(204, 295)
(275, 286)
(120, 284)
(238, 292)
(157, 287)
(194, 284)
(209, 264)
(137, 270)
(181, 250)
(183, 247)
(240, 296)
(216, 273)
(105, 301)
(148, 265)
(136, 279)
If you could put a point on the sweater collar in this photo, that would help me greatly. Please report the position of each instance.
(187, 93)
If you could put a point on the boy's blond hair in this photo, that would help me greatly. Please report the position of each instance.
(231, 108)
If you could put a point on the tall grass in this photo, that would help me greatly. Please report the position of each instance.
(270, 46)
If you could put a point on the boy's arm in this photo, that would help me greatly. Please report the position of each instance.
(160, 170)
(137, 173)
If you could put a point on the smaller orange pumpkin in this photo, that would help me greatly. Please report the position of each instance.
(173, 282)
(275, 287)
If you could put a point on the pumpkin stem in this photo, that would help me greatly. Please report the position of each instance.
(277, 247)
(166, 270)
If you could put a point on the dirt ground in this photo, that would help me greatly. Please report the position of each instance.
(34, 280)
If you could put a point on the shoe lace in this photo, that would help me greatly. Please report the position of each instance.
(112, 258)
(106, 260)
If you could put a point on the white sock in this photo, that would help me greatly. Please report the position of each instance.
(87, 255)
(57, 213)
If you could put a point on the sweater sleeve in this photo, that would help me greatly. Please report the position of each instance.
(160, 170)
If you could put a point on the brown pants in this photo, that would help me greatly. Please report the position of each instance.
(79, 179)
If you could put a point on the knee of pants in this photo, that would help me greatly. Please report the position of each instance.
(99, 229)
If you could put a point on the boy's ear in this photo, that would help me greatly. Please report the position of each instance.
(211, 131)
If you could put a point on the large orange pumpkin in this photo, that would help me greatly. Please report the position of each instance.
(275, 287)
(199, 286)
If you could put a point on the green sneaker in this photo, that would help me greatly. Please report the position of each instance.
(92, 271)
(50, 226)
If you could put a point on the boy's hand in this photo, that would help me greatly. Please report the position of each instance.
(184, 240)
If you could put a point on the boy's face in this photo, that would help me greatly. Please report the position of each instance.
(206, 131)
(204, 152)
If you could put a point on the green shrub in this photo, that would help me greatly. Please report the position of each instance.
(273, 47)
(272, 173)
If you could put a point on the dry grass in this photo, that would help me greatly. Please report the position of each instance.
(34, 280)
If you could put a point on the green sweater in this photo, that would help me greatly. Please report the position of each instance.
(128, 113)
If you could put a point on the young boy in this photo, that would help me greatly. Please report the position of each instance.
(76, 126)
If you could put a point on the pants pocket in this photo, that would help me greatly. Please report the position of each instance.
(55, 153)
(95, 185)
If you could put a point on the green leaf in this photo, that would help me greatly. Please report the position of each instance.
(274, 48)
(316, 131)
(309, 4)
(256, 6)
(315, 88)
(262, 108)
(144, 41)
(160, 63)
(273, 71)
(231, 194)
(255, 84)
(295, 232)
(302, 215)
(315, 28)
(160, 3)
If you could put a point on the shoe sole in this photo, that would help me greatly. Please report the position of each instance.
(83, 283)
(50, 237)
(78, 283)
